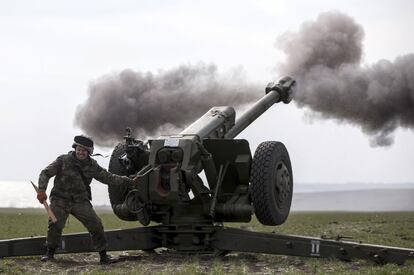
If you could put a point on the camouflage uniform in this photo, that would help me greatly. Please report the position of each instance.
(71, 195)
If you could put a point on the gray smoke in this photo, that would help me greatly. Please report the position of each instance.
(325, 58)
(162, 103)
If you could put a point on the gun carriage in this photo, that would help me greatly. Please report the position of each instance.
(190, 183)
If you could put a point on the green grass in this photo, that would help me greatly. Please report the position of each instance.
(394, 229)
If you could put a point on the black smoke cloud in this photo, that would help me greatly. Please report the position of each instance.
(161, 103)
(325, 57)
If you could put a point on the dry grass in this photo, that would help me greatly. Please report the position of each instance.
(396, 229)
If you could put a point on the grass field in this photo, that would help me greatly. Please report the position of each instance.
(395, 229)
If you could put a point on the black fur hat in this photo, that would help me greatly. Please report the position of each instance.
(83, 141)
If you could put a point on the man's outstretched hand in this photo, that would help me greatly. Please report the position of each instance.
(41, 197)
(135, 181)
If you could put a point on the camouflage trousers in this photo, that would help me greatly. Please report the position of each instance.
(82, 211)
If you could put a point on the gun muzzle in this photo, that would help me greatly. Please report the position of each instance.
(275, 92)
(284, 87)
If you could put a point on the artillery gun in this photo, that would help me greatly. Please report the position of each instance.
(189, 212)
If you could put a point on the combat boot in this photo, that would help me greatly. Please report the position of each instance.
(105, 258)
(49, 256)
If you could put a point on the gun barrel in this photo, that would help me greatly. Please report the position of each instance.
(276, 92)
(213, 124)
(219, 122)
(252, 114)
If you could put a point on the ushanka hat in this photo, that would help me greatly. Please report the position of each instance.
(83, 141)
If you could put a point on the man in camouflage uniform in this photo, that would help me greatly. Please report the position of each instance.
(71, 194)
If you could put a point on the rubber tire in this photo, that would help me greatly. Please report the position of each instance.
(118, 193)
(263, 181)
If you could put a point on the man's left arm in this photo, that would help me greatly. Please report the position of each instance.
(106, 177)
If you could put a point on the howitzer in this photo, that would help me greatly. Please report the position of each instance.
(170, 169)
(190, 211)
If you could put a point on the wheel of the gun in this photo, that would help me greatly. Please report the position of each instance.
(271, 181)
(118, 193)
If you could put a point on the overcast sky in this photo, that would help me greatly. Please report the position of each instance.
(51, 50)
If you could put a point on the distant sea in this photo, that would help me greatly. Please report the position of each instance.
(21, 194)
(336, 187)
(307, 196)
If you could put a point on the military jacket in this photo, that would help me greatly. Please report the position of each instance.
(73, 177)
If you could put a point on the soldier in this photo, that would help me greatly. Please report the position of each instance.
(71, 194)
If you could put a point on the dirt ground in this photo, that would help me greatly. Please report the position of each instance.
(166, 262)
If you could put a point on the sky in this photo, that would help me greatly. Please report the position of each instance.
(51, 51)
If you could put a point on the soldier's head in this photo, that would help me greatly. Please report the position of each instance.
(83, 146)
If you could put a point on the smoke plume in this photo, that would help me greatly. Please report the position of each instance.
(324, 57)
(162, 103)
